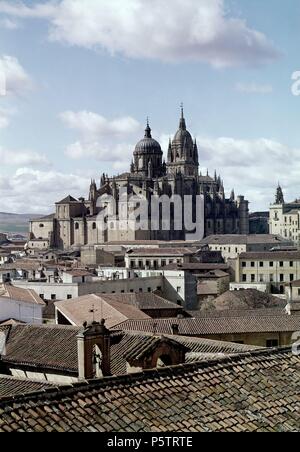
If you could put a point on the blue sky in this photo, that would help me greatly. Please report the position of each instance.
(83, 76)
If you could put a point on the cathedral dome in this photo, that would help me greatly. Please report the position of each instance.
(182, 135)
(148, 145)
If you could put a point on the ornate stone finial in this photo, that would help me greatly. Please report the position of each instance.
(279, 199)
(148, 129)
(182, 124)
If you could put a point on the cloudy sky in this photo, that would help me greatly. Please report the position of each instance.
(83, 75)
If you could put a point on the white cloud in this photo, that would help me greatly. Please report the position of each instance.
(13, 76)
(91, 124)
(254, 88)
(190, 30)
(9, 24)
(29, 190)
(102, 139)
(253, 167)
(17, 158)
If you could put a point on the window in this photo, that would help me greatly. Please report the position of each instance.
(291, 264)
(271, 278)
(53, 296)
(291, 277)
(69, 296)
(94, 226)
(252, 278)
(42, 296)
(42, 226)
(131, 290)
(261, 278)
(261, 264)
(141, 290)
(281, 276)
(244, 278)
(271, 343)
(244, 264)
(271, 264)
(163, 263)
(280, 264)
(76, 226)
(178, 289)
(299, 292)
(149, 289)
(252, 264)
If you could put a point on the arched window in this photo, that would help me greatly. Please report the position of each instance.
(76, 226)
(42, 226)
(94, 226)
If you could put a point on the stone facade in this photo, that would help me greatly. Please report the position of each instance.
(285, 218)
(74, 223)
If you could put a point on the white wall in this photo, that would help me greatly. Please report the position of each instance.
(24, 312)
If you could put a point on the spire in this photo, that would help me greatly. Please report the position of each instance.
(232, 196)
(148, 129)
(182, 124)
(279, 195)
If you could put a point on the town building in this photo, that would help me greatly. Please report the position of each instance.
(285, 218)
(76, 223)
(232, 245)
(275, 268)
(65, 354)
(257, 327)
(23, 305)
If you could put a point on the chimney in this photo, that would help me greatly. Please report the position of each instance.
(175, 329)
(93, 344)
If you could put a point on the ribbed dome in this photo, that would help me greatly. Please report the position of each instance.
(148, 145)
(184, 136)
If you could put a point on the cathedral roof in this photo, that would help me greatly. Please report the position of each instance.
(148, 145)
(69, 199)
(183, 135)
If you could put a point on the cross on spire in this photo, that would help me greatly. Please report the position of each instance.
(182, 124)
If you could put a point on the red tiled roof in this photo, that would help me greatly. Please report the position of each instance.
(253, 392)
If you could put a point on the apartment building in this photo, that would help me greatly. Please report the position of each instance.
(232, 245)
(276, 268)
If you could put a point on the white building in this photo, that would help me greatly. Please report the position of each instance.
(23, 305)
(231, 246)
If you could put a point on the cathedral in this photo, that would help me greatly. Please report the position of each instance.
(75, 220)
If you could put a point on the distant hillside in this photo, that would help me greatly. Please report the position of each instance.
(12, 222)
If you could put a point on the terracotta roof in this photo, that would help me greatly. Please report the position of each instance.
(78, 273)
(254, 392)
(68, 200)
(79, 310)
(271, 255)
(197, 266)
(18, 294)
(54, 347)
(232, 239)
(12, 387)
(205, 326)
(51, 347)
(197, 349)
(162, 252)
(142, 301)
